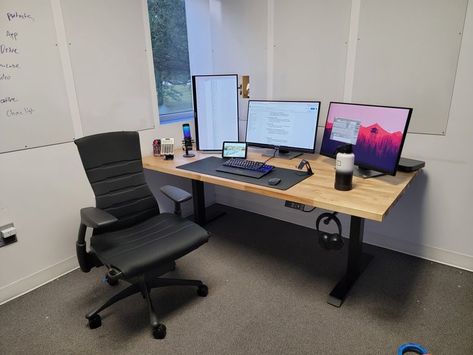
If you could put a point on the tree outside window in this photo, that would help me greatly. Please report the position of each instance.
(167, 20)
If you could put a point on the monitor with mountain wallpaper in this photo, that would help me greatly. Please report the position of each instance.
(376, 132)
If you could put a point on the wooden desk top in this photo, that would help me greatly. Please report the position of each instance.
(369, 198)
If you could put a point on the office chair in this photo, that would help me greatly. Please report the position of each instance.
(130, 236)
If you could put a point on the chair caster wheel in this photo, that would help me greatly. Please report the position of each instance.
(159, 332)
(95, 321)
(203, 291)
(110, 281)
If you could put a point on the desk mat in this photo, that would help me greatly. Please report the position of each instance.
(209, 165)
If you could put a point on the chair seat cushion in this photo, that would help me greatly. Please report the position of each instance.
(149, 244)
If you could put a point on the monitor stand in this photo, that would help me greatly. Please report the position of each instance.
(366, 173)
(284, 154)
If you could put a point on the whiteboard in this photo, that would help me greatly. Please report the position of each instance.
(407, 55)
(310, 50)
(109, 59)
(34, 108)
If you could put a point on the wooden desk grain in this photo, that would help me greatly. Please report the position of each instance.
(370, 198)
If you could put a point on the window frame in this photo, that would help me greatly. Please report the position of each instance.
(181, 116)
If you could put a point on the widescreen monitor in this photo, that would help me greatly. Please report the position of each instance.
(377, 134)
(289, 126)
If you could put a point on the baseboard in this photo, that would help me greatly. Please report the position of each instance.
(267, 207)
(439, 255)
(38, 279)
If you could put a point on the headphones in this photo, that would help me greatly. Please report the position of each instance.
(329, 241)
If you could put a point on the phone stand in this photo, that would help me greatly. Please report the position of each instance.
(307, 165)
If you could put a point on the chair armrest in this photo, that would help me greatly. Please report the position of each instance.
(94, 217)
(91, 217)
(176, 194)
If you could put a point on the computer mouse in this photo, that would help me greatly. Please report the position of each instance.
(274, 181)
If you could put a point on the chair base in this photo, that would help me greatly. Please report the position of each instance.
(144, 286)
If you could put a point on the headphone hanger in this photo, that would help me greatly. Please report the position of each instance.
(329, 241)
(329, 216)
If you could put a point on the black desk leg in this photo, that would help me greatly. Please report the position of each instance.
(357, 262)
(199, 202)
(201, 217)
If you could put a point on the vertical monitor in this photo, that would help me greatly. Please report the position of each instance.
(377, 134)
(287, 125)
(215, 110)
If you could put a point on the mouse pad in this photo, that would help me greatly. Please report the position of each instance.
(209, 165)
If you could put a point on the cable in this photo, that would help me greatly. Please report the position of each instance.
(274, 154)
(307, 211)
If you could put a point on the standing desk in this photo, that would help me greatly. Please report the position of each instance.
(369, 199)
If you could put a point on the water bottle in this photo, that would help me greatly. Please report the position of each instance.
(344, 168)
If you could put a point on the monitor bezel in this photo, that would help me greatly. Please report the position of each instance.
(194, 104)
(272, 146)
(366, 166)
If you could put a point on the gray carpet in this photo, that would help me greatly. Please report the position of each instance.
(268, 291)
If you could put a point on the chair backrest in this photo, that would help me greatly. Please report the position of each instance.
(112, 162)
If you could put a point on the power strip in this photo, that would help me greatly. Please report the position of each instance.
(295, 205)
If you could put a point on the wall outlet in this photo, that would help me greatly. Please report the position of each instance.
(7, 234)
(295, 205)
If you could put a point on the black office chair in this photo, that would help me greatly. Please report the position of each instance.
(130, 236)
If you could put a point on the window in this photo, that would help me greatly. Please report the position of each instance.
(167, 19)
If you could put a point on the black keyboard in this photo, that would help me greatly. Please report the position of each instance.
(249, 168)
(248, 165)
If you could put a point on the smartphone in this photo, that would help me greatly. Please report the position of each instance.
(186, 129)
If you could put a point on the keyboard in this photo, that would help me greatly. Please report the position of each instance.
(245, 167)
(247, 164)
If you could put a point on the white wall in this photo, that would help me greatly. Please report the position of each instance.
(309, 54)
(199, 37)
(239, 44)
(43, 189)
(432, 219)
